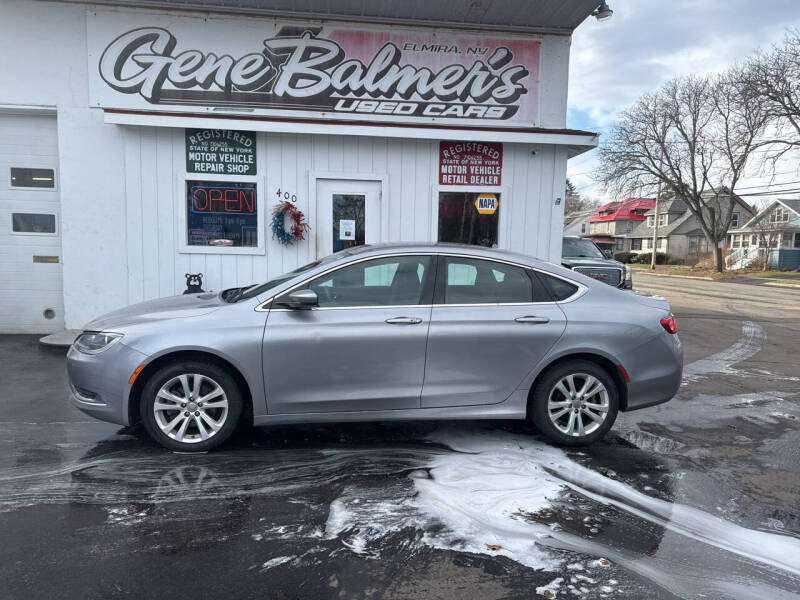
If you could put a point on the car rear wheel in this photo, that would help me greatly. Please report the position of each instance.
(191, 406)
(574, 403)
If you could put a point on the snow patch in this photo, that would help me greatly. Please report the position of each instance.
(753, 335)
(274, 562)
(551, 589)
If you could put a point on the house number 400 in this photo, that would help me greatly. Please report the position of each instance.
(286, 196)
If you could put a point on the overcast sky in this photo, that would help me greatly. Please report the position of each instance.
(647, 42)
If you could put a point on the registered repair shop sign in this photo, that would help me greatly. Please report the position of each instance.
(487, 204)
(220, 151)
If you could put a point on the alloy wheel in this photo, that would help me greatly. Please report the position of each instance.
(190, 408)
(578, 404)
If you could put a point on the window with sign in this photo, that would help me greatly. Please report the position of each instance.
(221, 213)
(469, 218)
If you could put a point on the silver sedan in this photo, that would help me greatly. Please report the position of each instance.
(378, 333)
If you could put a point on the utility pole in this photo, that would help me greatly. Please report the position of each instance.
(655, 232)
(655, 227)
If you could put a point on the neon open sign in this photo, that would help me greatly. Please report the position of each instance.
(221, 213)
(225, 199)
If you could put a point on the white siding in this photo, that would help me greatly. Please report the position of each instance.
(119, 185)
(153, 195)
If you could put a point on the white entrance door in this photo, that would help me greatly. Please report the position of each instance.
(31, 294)
(348, 214)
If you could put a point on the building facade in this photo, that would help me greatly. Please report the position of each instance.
(680, 236)
(576, 222)
(772, 235)
(141, 145)
(613, 221)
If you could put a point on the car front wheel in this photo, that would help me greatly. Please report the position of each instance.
(191, 407)
(574, 403)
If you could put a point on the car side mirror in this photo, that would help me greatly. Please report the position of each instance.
(301, 299)
(608, 254)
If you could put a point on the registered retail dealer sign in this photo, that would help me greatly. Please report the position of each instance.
(470, 163)
(220, 151)
(147, 62)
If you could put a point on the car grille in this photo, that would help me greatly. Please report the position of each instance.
(611, 276)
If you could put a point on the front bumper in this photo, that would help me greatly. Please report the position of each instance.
(99, 382)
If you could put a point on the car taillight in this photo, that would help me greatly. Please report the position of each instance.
(669, 324)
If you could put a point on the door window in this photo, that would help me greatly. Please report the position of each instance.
(348, 220)
(32, 178)
(391, 281)
(33, 223)
(474, 281)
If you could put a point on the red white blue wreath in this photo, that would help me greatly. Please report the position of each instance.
(298, 228)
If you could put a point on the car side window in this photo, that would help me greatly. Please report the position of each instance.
(390, 281)
(560, 289)
(475, 281)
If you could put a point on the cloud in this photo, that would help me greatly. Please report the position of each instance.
(646, 43)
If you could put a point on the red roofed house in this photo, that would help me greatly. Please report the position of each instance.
(608, 227)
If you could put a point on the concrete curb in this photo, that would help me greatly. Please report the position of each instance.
(772, 283)
(643, 272)
(62, 339)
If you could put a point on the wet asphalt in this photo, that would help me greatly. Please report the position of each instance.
(697, 498)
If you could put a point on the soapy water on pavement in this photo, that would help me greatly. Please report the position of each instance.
(484, 496)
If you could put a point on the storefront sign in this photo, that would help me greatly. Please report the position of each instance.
(470, 163)
(220, 151)
(487, 204)
(221, 214)
(143, 61)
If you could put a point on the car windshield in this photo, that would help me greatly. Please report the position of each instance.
(261, 288)
(580, 248)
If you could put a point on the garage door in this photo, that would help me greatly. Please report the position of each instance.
(31, 296)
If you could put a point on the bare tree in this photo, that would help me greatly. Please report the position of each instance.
(695, 137)
(773, 77)
(574, 201)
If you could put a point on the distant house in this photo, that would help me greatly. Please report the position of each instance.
(774, 231)
(575, 222)
(679, 233)
(615, 220)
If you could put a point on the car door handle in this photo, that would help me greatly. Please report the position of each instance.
(532, 319)
(404, 321)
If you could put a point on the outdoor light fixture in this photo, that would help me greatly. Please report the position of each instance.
(602, 12)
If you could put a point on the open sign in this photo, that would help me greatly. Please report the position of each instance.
(487, 204)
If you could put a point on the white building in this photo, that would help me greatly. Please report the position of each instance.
(576, 223)
(141, 144)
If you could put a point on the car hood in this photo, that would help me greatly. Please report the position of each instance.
(579, 261)
(174, 307)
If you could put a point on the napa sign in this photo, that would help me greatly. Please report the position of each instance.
(162, 63)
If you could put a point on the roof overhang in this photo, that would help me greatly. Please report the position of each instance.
(526, 16)
(575, 141)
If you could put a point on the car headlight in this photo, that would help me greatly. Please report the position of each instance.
(94, 342)
(627, 272)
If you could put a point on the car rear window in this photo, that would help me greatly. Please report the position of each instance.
(475, 281)
(560, 288)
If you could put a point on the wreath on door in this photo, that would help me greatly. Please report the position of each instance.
(286, 212)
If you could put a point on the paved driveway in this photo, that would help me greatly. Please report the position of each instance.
(696, 498)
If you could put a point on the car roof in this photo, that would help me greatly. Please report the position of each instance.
(445, 248)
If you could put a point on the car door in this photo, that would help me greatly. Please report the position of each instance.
(491, 324)
(362, 348)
